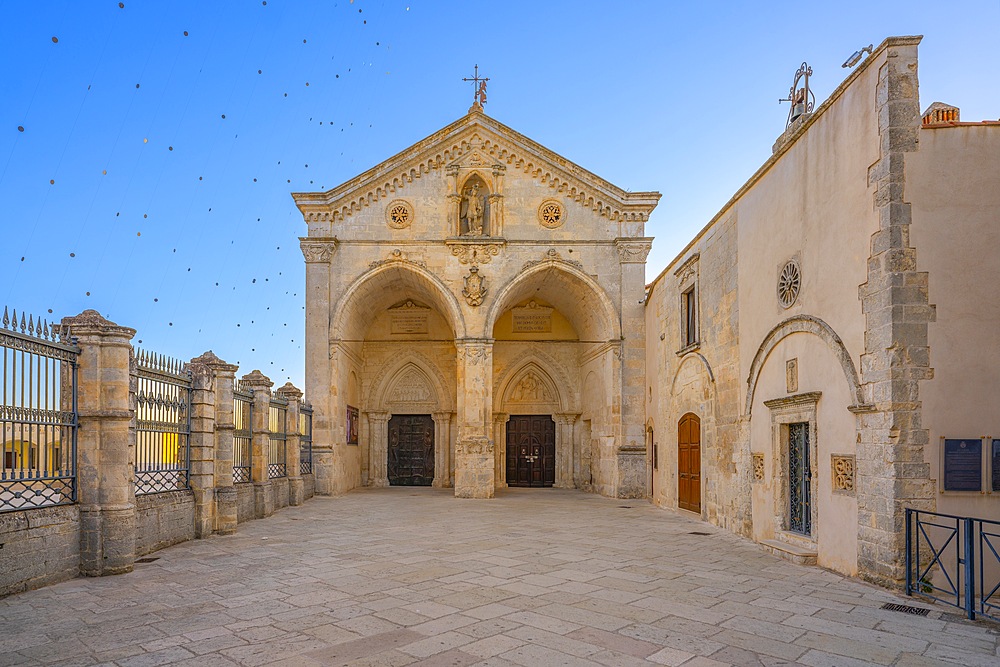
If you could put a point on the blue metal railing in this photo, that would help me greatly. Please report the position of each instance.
(942, 554)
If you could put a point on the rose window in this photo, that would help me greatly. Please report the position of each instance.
(550, 214)
(399, 214)
(789, 283)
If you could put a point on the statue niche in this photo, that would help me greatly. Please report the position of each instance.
(474, 208)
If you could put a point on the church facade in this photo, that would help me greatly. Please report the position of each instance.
(474, 319)
(477, 317)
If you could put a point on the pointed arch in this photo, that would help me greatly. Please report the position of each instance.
(560, 380)
(574, 293)
(547, 393)
(396, 369)
(817, 327)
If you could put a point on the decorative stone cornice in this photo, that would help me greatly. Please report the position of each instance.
(318, 249)
(633, 251)
(499, 148)
(552, 255)
(795, 400)
(475, 251)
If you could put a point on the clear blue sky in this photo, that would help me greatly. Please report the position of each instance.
(191, 236)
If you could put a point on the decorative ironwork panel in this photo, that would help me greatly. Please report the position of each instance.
(278, 427)
(799, 479)
(242, 434)
(38, 413)
(305, 439)
(162, 424)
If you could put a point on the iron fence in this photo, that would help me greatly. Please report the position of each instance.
(243, 434)
(305, 439)
(163, 424)
(954, 560)
(38, 413)
(278, 427)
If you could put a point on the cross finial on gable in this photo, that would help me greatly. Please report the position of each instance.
(479, 85)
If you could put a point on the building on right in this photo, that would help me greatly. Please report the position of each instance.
(826, 351)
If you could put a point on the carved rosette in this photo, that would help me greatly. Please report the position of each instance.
(843, 473)
(316, 250)
(633, 251)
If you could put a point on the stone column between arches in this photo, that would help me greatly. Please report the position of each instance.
(378, 428)
(474, 451)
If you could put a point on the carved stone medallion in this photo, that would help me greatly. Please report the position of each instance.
(475, 287)
(789, 283)
(551, 214)
(399, 214)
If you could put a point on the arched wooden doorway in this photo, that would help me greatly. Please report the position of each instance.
(689, 463)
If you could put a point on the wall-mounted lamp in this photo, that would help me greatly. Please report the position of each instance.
(857, 55)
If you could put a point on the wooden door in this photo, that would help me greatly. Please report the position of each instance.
(531, 450)
(411, 450)
(689, 463)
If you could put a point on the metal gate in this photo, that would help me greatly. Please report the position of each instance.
(799, 479)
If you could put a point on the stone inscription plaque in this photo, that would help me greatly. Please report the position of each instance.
(963, 465)
(532, 318)
(409, 319)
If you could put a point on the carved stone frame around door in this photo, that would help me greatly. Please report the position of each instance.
(798, 408)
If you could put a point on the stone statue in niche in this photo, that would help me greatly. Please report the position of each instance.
(474, 210)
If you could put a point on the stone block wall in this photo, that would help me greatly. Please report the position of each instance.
(38, 547)
(163, 519)
(110, 526)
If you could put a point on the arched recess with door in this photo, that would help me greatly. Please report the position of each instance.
(553, 325)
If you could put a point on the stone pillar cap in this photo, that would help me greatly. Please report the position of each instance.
(211, 360)
(288, 390)
(91, 321)
(257, 379)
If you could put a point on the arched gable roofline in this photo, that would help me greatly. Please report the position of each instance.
(390, 373)
(817, 327)
(504, 300)
(445, 299)
(549, 373)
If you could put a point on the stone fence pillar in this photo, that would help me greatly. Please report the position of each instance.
(212, 445)
(261, 385)
(296, 488)
(105, 446)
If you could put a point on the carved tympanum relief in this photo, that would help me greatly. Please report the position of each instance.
(411, 388)
(531, 389)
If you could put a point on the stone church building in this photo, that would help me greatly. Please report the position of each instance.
(824, 353)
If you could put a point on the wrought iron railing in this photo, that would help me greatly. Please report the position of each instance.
(38, 413)
(278, 427)
(954, 560)
(243, 434)
(305, 439)
(162, 424)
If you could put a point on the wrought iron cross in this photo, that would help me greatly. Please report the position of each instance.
(479, 83)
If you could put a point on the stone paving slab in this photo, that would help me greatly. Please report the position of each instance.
(402, 576)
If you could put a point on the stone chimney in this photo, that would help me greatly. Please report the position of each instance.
(939, 112)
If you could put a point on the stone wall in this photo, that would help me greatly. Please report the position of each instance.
(111, 526)
(163, 519)
(38, 547)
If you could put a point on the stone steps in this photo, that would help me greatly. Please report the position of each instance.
(791, 552)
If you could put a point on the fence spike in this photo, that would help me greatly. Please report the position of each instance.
(31, 325)
(14, 313)
(45, 329)
(23, 328)
(6, 319)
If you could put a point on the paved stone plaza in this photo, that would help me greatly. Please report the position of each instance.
(414, 576)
